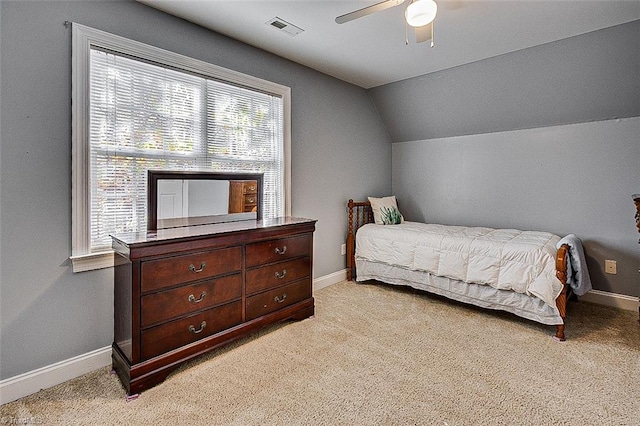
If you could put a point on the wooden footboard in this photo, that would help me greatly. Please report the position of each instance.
(360, 213)
(561, 300)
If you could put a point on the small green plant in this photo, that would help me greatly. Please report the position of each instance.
(390, 216)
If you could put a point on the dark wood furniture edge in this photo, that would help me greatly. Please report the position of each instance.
(155, 370)
(359, 214)
(636, 201)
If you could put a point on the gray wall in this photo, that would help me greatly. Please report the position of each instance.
(340, 149)
(491, 144)
(590, 77)
(574, 178)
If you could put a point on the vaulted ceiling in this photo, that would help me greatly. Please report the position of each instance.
(371, 51)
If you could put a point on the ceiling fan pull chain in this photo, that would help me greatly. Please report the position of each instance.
(432, 25)
(406, 33)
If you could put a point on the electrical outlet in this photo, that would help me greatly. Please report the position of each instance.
(610, 267)
(343, 249)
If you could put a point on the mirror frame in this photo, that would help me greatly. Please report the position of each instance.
(155, 175)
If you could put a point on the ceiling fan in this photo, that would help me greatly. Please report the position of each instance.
(419, 15)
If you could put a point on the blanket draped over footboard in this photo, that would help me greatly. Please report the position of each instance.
(506, 259)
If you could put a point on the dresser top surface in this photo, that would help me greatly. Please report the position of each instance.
(164, 235)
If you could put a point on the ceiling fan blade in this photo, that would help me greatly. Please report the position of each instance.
(424, 33)
(368, 10)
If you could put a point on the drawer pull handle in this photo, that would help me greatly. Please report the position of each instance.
(279, 300)
(281, 275)
(252, 188)
(283, 251)
(192, 329)
(193, 268)
(193, 299)
(251, 200)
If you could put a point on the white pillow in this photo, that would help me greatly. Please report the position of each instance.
(385, 211)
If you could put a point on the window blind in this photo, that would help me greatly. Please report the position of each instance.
(145, 116)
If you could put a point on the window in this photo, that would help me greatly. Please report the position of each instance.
(137, 107)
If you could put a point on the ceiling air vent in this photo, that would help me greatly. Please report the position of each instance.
(284, 26)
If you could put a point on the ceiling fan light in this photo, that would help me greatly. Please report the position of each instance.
(421, 12)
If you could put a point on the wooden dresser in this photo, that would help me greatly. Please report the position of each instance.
(182, 292)
(242, 196)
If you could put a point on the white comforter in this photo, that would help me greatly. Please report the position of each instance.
(507, 259)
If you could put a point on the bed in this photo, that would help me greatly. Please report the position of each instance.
(527, 273)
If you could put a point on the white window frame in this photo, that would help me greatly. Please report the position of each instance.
(83, 40)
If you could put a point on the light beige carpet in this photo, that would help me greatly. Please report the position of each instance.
(377, 354)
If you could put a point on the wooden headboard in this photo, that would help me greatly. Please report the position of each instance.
(360, 213)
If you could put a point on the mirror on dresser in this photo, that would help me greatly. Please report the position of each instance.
(187, 198)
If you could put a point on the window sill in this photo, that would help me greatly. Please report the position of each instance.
(92, 261)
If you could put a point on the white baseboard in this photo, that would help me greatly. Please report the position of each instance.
(622, 301)
(329, 279)
(32, 381)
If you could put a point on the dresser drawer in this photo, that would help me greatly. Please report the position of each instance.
(172, 335)
(250, 202)
(278, 249)
(278, 298)
(157, 274)
(277, 274)
(250, 187)
(168, 304)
